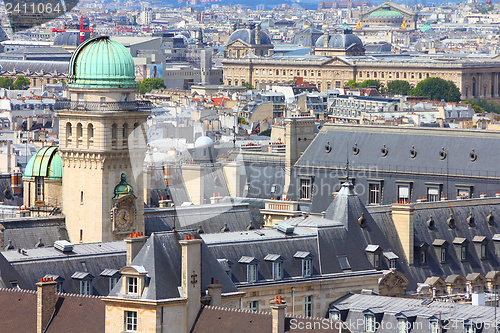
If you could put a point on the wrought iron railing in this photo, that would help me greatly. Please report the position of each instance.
(104, 106)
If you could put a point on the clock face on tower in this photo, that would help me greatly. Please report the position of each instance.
(123, 220)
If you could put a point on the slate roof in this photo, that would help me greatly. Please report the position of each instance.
(36, 66)
(73, 313)
(85, 259)
(441, 234)
(390, 306)
(220, 320)
(212, 218)
(25, 233)
(161, 259)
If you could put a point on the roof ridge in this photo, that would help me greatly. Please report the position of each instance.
(78, 295)
(15, 290)
(222, 308)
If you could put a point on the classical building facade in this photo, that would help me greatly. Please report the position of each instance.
(102, 144)
(332, 65)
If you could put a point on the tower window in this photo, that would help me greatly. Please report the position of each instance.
(39, 188)
(125, 132)
(79, 130)
(113, 132)
(308, 306)
(90, 130)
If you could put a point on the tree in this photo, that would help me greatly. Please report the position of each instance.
(370, 83)
(351, 84)
(247, 85)
(481, 105)
(437, 89)
(149, 84)
(6, 82)
(21, 83)
(398, 87)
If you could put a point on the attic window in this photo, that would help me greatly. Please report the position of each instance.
(273, 188)
(344, 262)
(369, 322)
(334, 314)
(132, 285)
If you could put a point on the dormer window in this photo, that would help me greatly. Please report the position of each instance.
(85, 282)
(113, 275)
(132, 285)
(391, 258)
(402, 323)
(334, 314)
(58, 279)
(469, 327)
(460, 244)
(481, 244)
(252, 268)
(277, 265)
(134, 280)
(422, 253)
(373, 252)
(441, 246)
(369, 321)
(307, 264)
(434, 325)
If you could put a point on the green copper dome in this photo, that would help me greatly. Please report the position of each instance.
(123, 188)
(386, 11)
(47, 162)
(101, 62)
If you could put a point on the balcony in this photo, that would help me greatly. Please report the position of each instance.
(102, 107)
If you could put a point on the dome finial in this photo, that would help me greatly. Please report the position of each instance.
(123, 188)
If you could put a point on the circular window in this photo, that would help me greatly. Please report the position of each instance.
(451, 222)
(430, 223)
(328, 147)
(355, 149)
(490, 218)
(362, 220)
(442, 154)
(473, 156)
(384, 151)
(413, 152)
(470, 220)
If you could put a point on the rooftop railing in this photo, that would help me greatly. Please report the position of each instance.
(84, 106)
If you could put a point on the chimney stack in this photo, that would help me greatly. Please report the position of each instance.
(278, 309)
(215, 292)
(326, 38)
(257, 34)
(45, 303)
(135, 242)
(191, 277)
(402, 215)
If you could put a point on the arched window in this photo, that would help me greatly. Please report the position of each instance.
(125, 132)
(136, 130)
(69, 133)
(90, 131)
(113, 132)
(79, 131)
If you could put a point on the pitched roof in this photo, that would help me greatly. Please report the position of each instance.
(161, 256)
(74, 313)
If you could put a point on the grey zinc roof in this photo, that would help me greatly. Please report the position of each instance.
(273, 257)
(89, 258)
(109, 272)
(61, 67)
(82, 276)
(439, 242)
(391, 306)
(372, 248)
(389, 255)
(479, 239)
(302, 254)
(248, 36)
(247, 260)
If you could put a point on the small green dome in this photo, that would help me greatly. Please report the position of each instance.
(123, 188)
(47, 162)
(101, 62)
(386, 12)
(345, 26)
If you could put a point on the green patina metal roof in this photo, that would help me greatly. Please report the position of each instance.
(101, 62)
(123, 188)
(426, 27)
(345, 26)
(386, 11)
(47, 162)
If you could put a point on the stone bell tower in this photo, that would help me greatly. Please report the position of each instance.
(102, 140)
